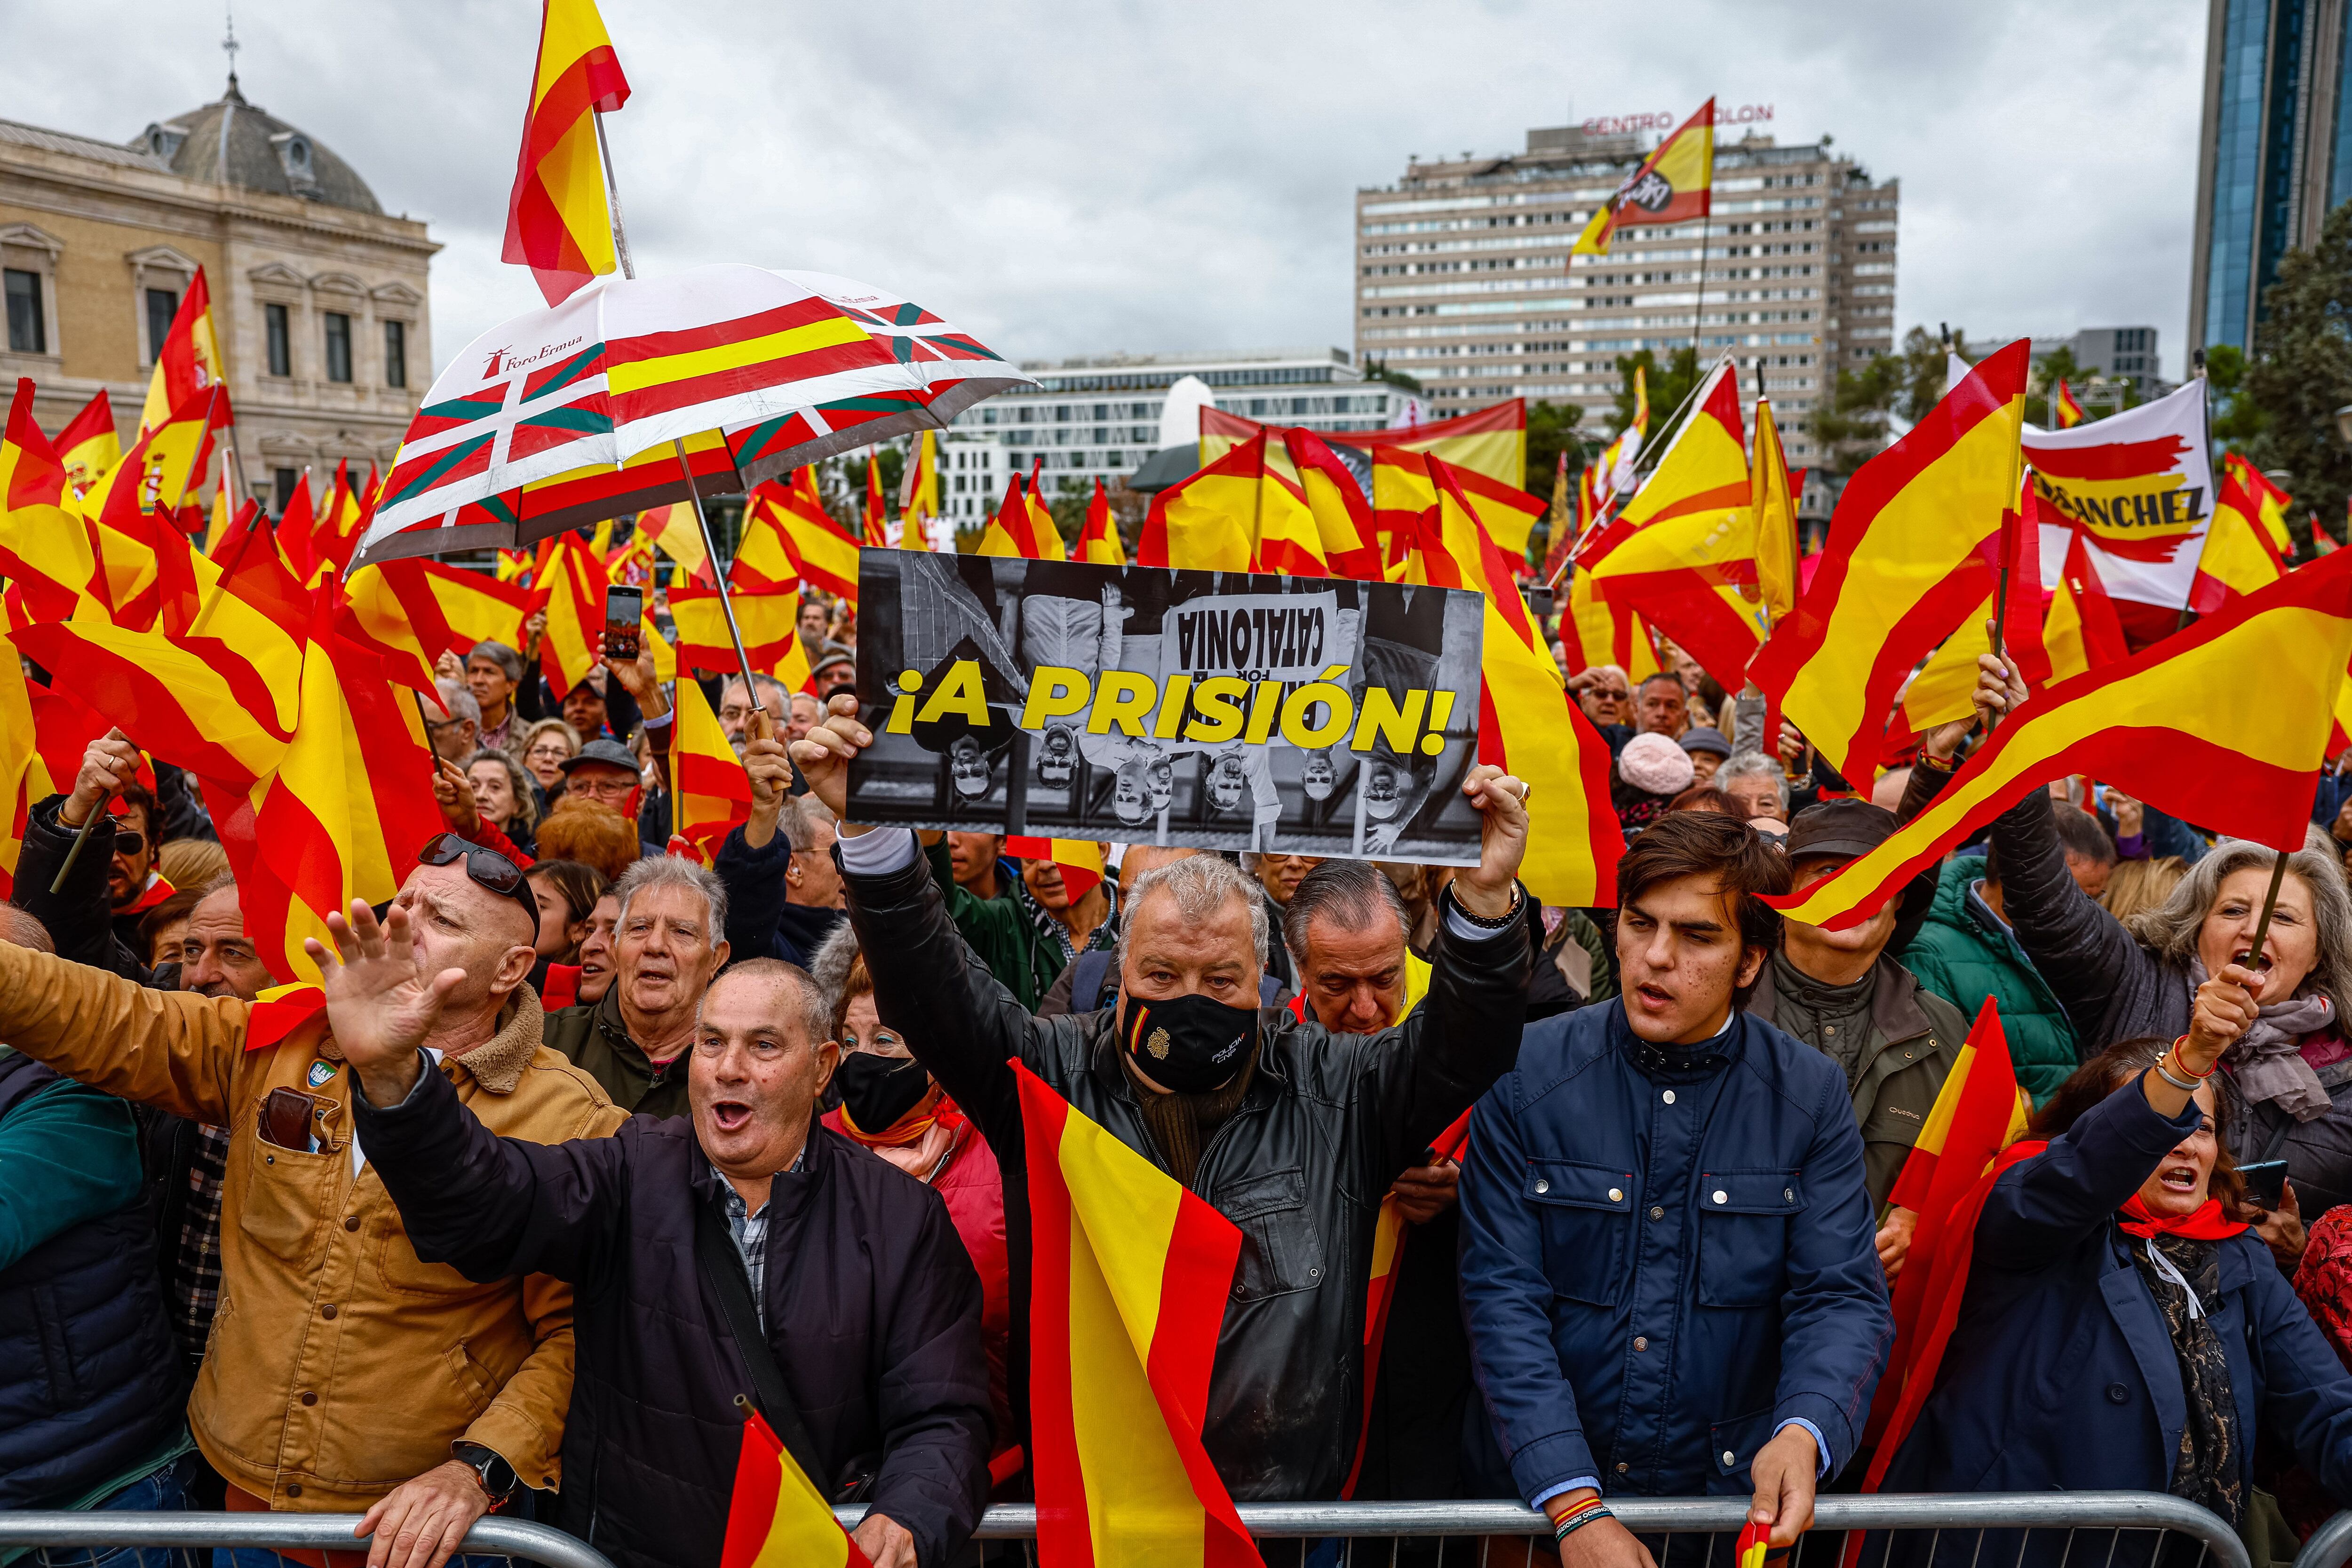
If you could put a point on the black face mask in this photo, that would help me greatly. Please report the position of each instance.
(877, 1090)
(1189, 1043)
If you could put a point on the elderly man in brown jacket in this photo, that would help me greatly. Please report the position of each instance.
(343, 1374)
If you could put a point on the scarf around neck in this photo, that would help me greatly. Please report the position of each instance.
(2266, 1061)
(2202, 1223)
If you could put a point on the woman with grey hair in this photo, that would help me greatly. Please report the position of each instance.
(2288, 1080)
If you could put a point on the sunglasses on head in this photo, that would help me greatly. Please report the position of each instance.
(485, 868)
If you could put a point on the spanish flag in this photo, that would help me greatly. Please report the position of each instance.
(570, 587)
(88, 445)
(823, 554)
(1594, 633)
(2080, 629)
(478, 607)
(777, 1518)
(2173, 725)
(1773, 498)
(1979, 1112)
(2242, 552)
(1130, 1274)
(1042, 527)
(1404, 498)
(1079, 861)
(513, 565)
(46, 548)
(712, 793)
(1287, 538)
(766, 620)
(558, 224)
(877, 516)
(1344, 525)
(1099, 540)
(24, 777)
(1615, 465)
(1683, 551)
(1022, 528)
(1943, 691)
(391, 607)
(1672, 185)
(762, 560)
(187, 362)
(918, 492)
(2065, 409)
(1208, 520)
(677, 534)
(1908, 558)
(1528, 725)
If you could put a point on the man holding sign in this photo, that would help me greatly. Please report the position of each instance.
(1290, 1130)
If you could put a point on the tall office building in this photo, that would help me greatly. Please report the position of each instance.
(2275, 155)
(1463, 278)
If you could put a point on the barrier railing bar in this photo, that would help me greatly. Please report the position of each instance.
(278, 1533)
(2329, 1546)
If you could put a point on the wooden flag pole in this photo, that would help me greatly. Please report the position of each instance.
(612, 191)
(2270, 905)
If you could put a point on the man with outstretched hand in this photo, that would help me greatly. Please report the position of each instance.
(1291, 1130)
(739, 1251)
(1667, 1264)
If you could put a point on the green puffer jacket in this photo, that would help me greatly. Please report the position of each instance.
(1963, 955)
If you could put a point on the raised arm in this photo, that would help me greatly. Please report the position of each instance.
(2049, 1204)
(2079, 948)
(175, 1050)
(79, 916)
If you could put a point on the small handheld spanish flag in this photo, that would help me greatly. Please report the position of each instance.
(1753, 1539)
(776, 1518)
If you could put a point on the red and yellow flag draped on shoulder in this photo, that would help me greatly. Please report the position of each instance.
(2170, 725)
(1130, 1274)
(1528, 725)
(558, 224)
(1907, 560)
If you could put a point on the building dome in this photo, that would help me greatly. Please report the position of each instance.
(231, 143)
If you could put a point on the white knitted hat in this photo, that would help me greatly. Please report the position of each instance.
(1656, 763)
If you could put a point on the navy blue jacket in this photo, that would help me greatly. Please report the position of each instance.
(2060, 1373)
(1661, 1268)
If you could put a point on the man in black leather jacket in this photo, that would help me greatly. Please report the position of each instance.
(1294, 1136)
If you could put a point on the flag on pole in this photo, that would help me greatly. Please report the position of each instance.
(821, 552)
(558, 222)
(1942, 692)
(1672, 185)
(1594, 633)
(1344, 523)
(391, 609)
(776, 1518)
(133, 504)
(568, 583)
(187, 362)
(2170, 725)
(1773, 499)
(767, 620)
(46, 548)
(877, 516)
(1129, 1279)
(1098, 540)
(1611, 473)
(513, 565)
(478, 607)
(1528, 725)
(2242, 552)
(674, 531)
(24, 777)
(919, 492)
(1046, 534)
(88, 445)
(1908, 557)
(2065, 409)
(2080, 629)
(714, 792)
(1207, 518)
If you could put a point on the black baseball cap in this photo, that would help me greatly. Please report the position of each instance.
(1847, 828)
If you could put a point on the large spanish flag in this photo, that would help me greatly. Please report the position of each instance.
(1528, 725)
(2241, 553)
(1128, 1278)
(558, 224)
(2173, 725)
(46, 548)
(1207, 520)
(88, 445)
(822, 552)
(187, 362)
(1491, 442)
(1907, 560)
(392, 608)
(1683, 551)
(1344, 526)
(766, 620)
(1672, 185)
(478, 607)
(776, 1518)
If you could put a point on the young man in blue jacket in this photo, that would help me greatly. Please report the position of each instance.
(1667, 1264)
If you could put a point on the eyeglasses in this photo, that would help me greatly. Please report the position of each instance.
(127, 842)
(487, 869)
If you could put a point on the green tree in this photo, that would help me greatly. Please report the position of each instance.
(1378, 370)
(2237, 418)
(1851, 424)
(1552, 428)
(1667, 387)
(2300, 373)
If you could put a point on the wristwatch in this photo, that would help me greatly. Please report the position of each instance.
(497, 1476)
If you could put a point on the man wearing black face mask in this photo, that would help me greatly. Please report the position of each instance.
(1285, 1127)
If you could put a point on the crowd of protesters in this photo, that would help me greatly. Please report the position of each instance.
(591, 1143)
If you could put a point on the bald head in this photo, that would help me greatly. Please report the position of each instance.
(454, 923)
(23, 931)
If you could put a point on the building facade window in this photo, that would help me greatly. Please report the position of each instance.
(281, 483)
(2237, 172)
(280, 340)
(395, 353)
(339, 345)
(162, 305)
(28, 326)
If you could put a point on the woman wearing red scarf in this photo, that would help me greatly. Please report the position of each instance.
(2119, 1327)
(890, 1105)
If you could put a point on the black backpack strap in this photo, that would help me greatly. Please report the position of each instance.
(722, 1265)
(1086, 979)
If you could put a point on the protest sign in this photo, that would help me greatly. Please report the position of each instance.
(1143, 705)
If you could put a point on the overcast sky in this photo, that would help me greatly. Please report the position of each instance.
(1081, 178)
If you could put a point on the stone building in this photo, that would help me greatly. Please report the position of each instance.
(318, 296)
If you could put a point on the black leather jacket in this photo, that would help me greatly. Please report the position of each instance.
(1330, 1122)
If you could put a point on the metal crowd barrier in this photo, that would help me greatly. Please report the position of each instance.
(276, 1532)
(2329, 1546)
(1468, 1535)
